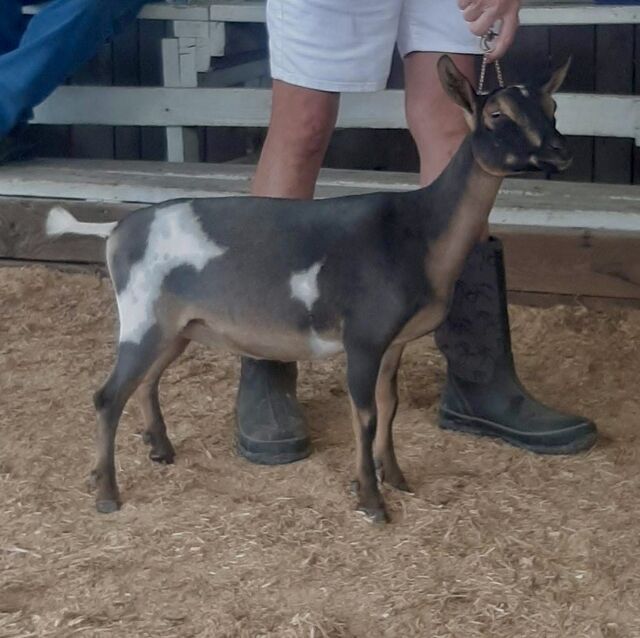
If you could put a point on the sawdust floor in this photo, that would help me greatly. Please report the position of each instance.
(496, 542)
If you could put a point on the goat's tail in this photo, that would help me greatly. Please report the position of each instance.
(60, 222)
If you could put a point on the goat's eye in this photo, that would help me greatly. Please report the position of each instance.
(495, 115)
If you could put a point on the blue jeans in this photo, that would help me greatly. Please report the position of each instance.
(39, 54)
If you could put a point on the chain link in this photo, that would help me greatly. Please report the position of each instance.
(485, 43)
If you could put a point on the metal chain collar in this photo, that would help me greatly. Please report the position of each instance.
(485, 44)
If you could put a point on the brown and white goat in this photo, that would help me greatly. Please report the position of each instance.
(290, 280)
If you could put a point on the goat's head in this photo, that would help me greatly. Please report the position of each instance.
(513, 129)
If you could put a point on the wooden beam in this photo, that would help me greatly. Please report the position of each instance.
(568, 261)
(549, 261)
(194, 10)
(579, 13)
(22, 233)
(521, 202)
(244, 11)
(578, 114)
(254, 11)
(65, 266)
(599, 115)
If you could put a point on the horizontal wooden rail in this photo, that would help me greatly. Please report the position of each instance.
(551, 261)
(194, 10)
(579, 13)
(578, 114)
(523, 203)
(254, 11)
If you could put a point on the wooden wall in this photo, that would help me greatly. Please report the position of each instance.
(131, 59)
(605, 59)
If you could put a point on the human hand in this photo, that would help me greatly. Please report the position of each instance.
(483, 14)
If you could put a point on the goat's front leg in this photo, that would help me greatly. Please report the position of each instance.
(362, 372)
(387, 403)
(155, 432)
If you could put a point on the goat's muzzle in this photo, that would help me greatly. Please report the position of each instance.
(554, 156)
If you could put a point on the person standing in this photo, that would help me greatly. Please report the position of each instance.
(318, 50)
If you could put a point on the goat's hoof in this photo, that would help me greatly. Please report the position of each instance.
(374, 515)
(107, 506)
(166, 457)
(161, 449)
(394, 479)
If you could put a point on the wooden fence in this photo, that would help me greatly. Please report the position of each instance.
(606, 59)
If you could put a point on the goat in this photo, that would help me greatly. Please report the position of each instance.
(291, 280)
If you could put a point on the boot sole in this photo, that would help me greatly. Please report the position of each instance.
(272, 453)
(582, 441)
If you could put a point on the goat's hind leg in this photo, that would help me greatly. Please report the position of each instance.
(384, 455)
(133, 363)
(155, 433)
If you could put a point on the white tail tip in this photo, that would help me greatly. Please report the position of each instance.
(60, 221)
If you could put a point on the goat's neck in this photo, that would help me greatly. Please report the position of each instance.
(456, 209)
(464, 192)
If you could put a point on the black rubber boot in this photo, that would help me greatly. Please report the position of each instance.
(483, 394)
(16, 145)
(270, 426)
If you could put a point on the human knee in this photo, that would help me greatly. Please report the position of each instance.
(303, 120)
(436, 124)
(308, 133)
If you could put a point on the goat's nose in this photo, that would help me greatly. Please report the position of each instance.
(558, 143)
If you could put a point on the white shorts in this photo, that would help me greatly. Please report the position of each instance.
(347, 45)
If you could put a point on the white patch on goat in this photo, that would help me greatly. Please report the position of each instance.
(304, 285)
(175, 239)
(323, 347)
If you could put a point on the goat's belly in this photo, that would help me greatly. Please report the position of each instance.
(263, 342)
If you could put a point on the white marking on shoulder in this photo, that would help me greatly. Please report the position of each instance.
(60, 222)
(175, 239)
(304, 285)
(323, 347)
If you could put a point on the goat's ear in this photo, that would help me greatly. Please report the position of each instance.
(457, 87)
(557, 78)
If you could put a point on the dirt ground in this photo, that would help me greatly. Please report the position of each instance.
(496, 542)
